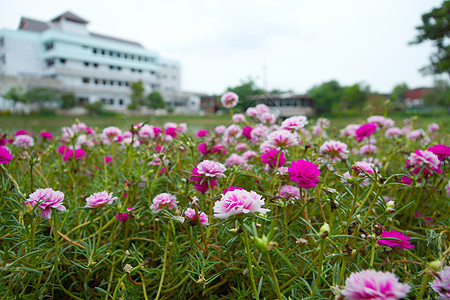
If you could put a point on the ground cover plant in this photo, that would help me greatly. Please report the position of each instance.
(252, 209)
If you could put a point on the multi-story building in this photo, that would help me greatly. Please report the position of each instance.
(93, 66)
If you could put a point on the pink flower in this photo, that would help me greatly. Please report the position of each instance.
(282, 138)
(202, 133)
(46, 199)
(237, 118)
(371, 284)
(251, 112)
(441, 151)
(368, 149)
(424, 159)
(234, 159)
(100, 199)
(229, 100)
(349, 130)
(441, 283)
(365, 131)
(433, 127)
(192, 217)
(112, 132)
(46, 135)
(394, 131)
(203, 148)
(381, 121)
(447, 189)
(270, 158)
(249, 154)
(294, 123)
(202, 182)
(5, 156)
(305, 173)
(220, 129)
(239, 202)
(212, 169)
(125, 216)
(262, 109)
(289, 191)
(107, 159)
(358, 168)
(23, 140)
(401, 240)
(336, 150)
(164, 201)
(241, 146)
(415, 134)
(267, 118)
(146, 132)
(171, 131)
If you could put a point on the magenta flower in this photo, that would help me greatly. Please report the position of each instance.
(125, 216)
(23, 131)
(239, 202)
(46, 199)
(5, 156)
(203, 148)
(246, 131)
(212, 169)
(231, 188)
(400, 240)
(106, 159)
(270, 158)
(229, 100)
(163, 201)
(441, 283)
(202, 133)
(371, 284)
(69, 154)
(192, 217)
(441, 151)
(100, 199)
(305, 173)
(335, 150)
(46, 135)
(202, 182)
(365, 131)
(23, 140)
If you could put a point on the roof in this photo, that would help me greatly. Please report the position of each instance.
(280, 96)
(71, 17)
(417, 93)
(32, 25)
(111, 38)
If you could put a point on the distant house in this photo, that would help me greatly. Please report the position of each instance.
(287, 104)
(414, 98)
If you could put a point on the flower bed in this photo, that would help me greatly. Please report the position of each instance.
(255, 209)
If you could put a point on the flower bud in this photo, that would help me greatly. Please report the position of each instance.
(325, 228)
(351, 180)
(435, 265)
(262, 243)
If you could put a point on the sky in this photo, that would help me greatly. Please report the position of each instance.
(280, 44)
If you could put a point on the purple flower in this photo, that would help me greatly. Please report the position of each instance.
(401, 240)
(371, 284)
(305, 173)
(46, 199)
(365, 131)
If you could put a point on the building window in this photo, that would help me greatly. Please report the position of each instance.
(120, 101)
(83, 100)
(140, 71)
(127, 83)
(50, 62)
(85, 80)
(2, 41)
(94, 50)
(111, 67)
(103, 100)
(62, 60)
(103, 52)
(119, 68)
(95, 65)
(119, 83)
(104, 82)
(111, 82)
(111, 53)
(125, 56)
(86, 64)
(48, 46)
(111, 101)
(96, 81)
(132, 70)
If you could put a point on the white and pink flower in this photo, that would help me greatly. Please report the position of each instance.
(282, 139)
(212, 169)
(46, 199)
(163, 201)
(239, 202)
(229, 100)
(336, 150)
(294, 123)
(99, 199)
(191, 216)
(23, 140)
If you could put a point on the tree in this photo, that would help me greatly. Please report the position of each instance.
(436, 28)
(245, 90)
(42, 95)
(440, 96)
(354, 97)
(399, 91)
(156, 100)
(137, 95)
(326, 96)
(68, 100)
(16, 94)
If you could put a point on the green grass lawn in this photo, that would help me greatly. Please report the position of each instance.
(37, 123)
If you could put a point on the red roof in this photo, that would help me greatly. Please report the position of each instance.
(417, 93)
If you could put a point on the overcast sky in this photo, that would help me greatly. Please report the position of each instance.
(302, 43)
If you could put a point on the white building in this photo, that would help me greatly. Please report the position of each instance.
(93, 66)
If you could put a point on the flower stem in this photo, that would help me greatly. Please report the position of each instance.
(249, 259)
(274, 277)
